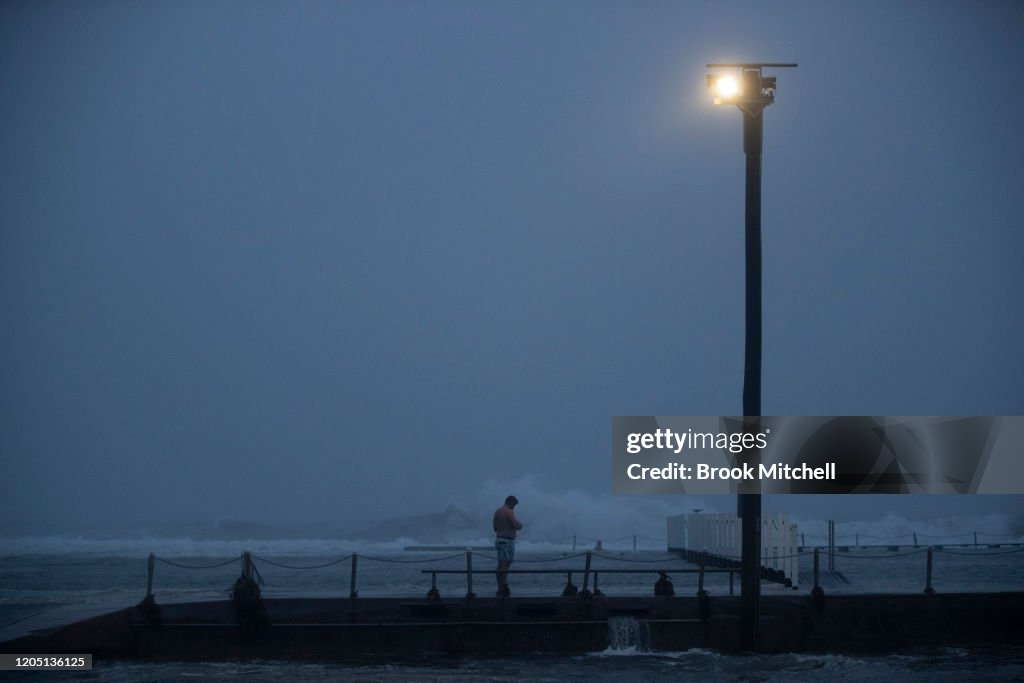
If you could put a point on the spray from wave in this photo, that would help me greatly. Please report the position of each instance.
(553, 521)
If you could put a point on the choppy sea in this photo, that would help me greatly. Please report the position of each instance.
(41, 573)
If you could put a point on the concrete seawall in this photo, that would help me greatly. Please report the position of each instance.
(327, 628)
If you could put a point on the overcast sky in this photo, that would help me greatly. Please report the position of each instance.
(286, 260)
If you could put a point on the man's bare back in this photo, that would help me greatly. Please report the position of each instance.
(505, 523)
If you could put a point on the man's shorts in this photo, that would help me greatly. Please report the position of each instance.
(506, 548)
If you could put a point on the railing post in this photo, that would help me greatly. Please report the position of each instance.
(732, 574)
(433, 593)
(469, 575)
(574, 541)
(794, 558)
(586, 576)
(634, 542)
(915, 539)
(148, 607)
(928, 575)
(352, 592)
(703, 602)
(817, 594)
(831, 545)
(700, 579)
(975, 539)
(247, 564)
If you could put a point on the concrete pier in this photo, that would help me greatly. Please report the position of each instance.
(346, 629)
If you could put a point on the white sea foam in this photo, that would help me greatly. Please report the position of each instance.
(554, 522)
(189, 547)
(620, 652)
(889, 531)
(897, 530)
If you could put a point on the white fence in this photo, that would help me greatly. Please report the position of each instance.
(719, 535)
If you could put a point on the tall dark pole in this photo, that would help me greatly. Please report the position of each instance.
(750, 503)
(756, 93)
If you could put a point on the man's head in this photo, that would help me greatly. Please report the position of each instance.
(511, 501)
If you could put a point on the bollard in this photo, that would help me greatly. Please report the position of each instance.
(250, 612)
(928, 575)
(663, 586)
(149, 579)
(352, 592)
(570, 591)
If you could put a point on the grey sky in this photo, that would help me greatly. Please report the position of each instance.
(318, 260)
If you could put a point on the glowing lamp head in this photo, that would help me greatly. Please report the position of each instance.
(744, 85)
(726, 86)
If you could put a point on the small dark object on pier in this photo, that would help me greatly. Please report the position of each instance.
(250, 611)
(433, 595)
(150, 611)
(704, 605)
(818, 598)
(570, 590)
(663, 586)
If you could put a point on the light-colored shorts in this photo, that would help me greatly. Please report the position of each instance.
(506, 548)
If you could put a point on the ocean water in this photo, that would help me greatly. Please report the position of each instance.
(39, 573)
(940, 664)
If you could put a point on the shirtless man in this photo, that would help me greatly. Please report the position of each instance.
(505, 526)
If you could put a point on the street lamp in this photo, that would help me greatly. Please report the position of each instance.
(751, 91)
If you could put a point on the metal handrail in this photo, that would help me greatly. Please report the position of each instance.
(570, 589)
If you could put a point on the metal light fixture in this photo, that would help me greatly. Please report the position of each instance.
(743, 85)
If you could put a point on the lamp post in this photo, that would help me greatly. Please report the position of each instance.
(752, 93)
